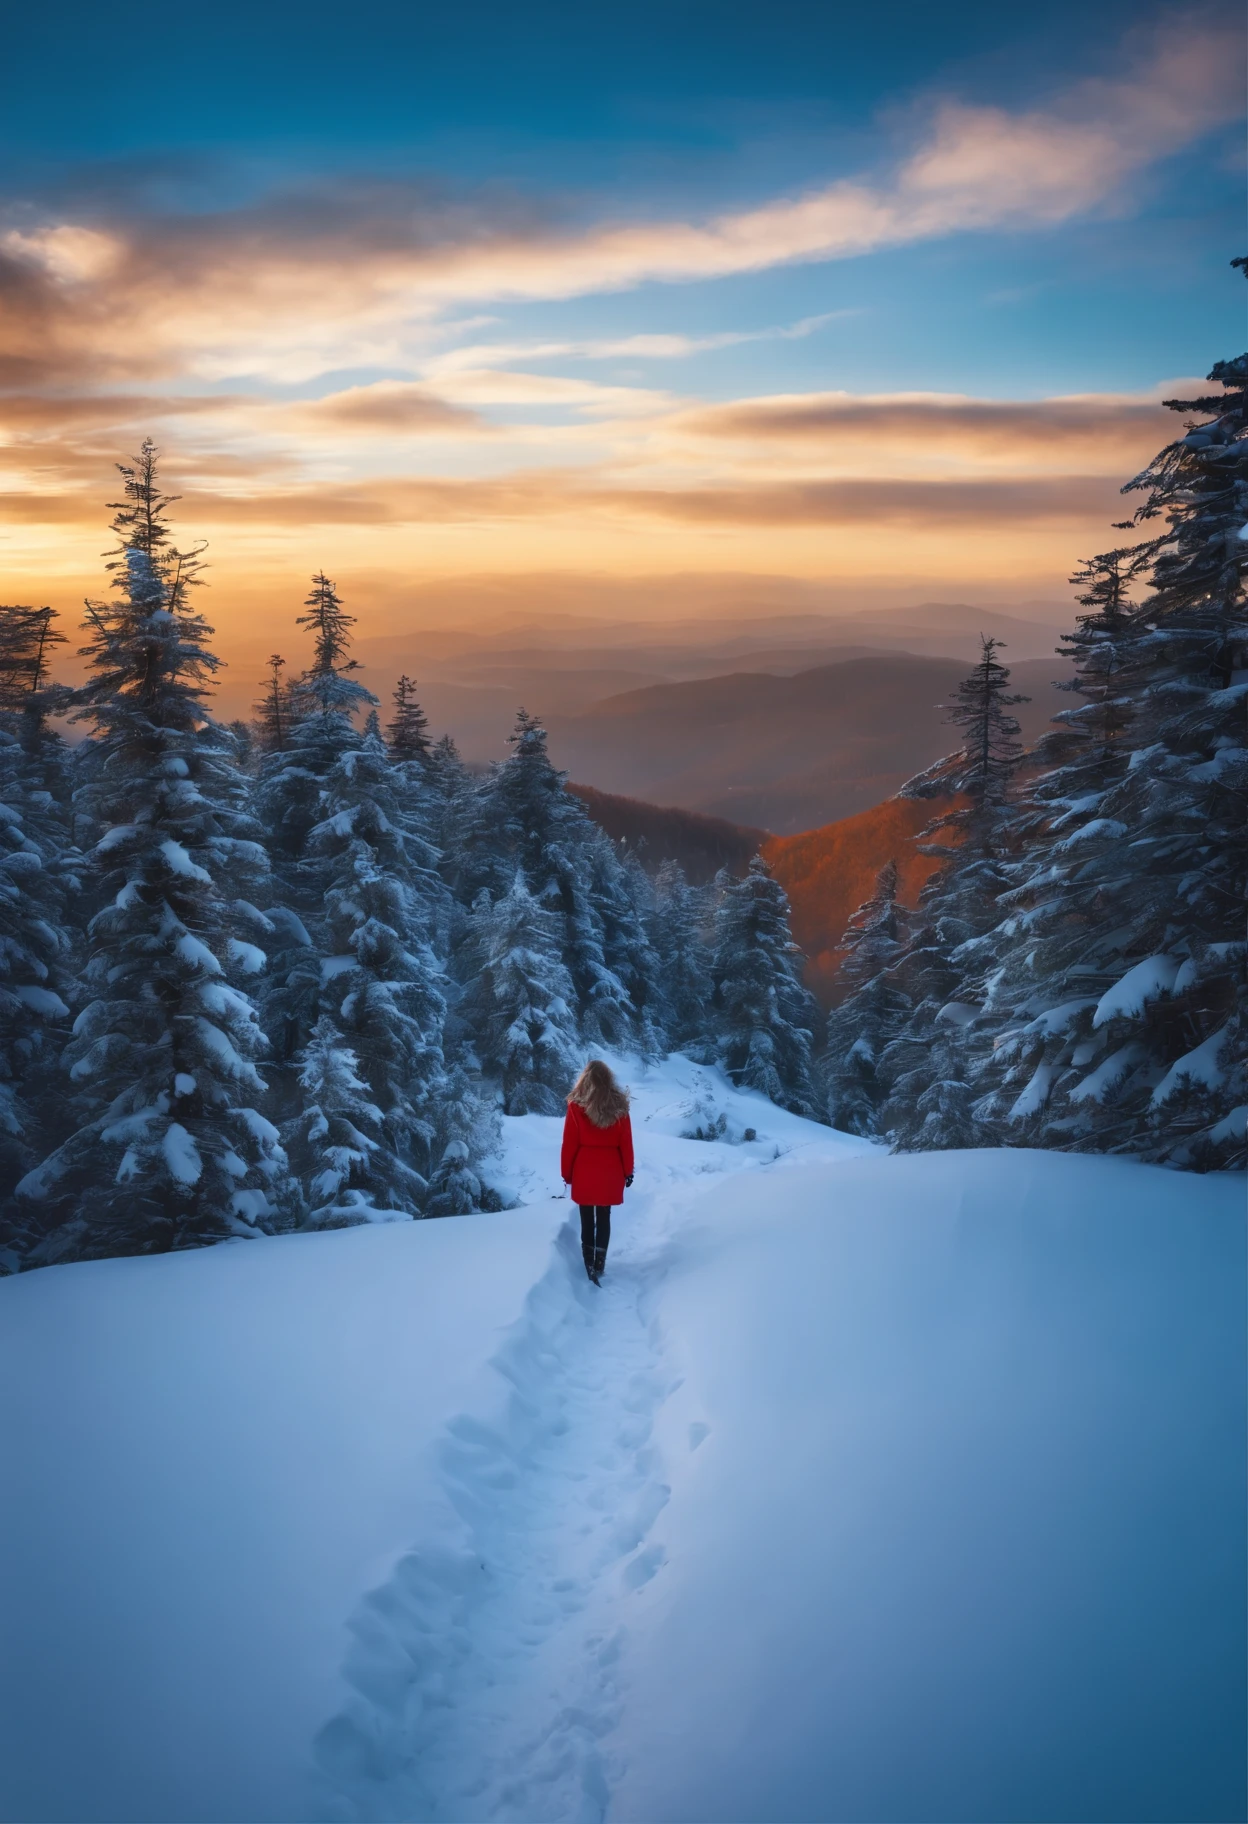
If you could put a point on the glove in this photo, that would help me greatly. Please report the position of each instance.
(628, 1181)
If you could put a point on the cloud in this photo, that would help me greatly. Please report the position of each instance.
(387, 406)
(655, 347)
(39, 413)
(315, 281)
(1092, 429)
(572, 494)
(505, 386)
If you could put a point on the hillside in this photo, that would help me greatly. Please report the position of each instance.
(866, 1488)
(781, 753)
(657, 833)
(829, 872)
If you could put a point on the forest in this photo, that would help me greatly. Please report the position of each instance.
(289, 973)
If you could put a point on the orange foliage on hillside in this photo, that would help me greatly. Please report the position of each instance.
(829, 872)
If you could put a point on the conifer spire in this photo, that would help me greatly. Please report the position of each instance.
(408, 730)
(274, 709)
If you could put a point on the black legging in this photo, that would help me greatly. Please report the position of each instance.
(595, 1230)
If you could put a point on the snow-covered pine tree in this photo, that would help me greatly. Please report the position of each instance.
(622, 896)
(872, 1012)
(519, 1001)
(290, 803)
(678, 933)
(1036, 1016)
(336, 1136)
(522, 818)
(945, 963)
(37, 874)
(454, 1189)
(1183, 800)
(381, 985)
(469, 1114)
(765, 1017)
(172, 1149)
(419, 783)
(320, 707)
(450, 797)
(1159, 1058)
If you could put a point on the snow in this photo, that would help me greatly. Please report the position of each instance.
(1108, 1072)
(958, 1013)
(866, 1488)
(181, 1154)
(193, 951)
(179, 862)
(249, 957)
(1198, 1066)
(1058, 1019)
(1035, 1095)
(1132, 991)
(40, 1000)
(1099, 828)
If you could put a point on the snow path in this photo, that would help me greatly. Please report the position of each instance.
(485, 1683)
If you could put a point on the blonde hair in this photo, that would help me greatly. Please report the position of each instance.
(598, 1093)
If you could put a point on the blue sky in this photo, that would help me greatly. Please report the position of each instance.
(358, 262)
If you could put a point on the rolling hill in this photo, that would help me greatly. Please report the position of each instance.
(781, 753)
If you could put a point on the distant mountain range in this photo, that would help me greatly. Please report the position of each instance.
(471, 684)
(782, 753)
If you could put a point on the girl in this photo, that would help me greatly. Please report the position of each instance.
(597, 1159)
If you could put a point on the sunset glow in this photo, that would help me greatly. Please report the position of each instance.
(453, 389)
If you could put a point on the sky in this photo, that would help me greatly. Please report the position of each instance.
(492, 307)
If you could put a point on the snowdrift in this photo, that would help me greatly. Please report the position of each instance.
(866, 1488)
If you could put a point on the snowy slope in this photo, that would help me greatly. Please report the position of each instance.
(865, 1488)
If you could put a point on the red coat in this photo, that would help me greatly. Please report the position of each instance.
(596, 1160)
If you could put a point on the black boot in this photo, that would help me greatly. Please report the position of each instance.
(600, 1265)
(589, 1265)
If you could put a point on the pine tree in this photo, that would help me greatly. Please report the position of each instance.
(1036, 1015)
(946, 961)
(37, 874)
(172, 1149)
(677, 927)
(455, 1189)
(381, 989)
(522, 818)
(519, 1001)
(408, 730)
(290, 803)
(275, 712)
(765, 1016)
(335, 1139)
(140, 520)
(1142, 1014)
(872, 1012)
(448, 800)
(1179, 885)
(35, 880)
